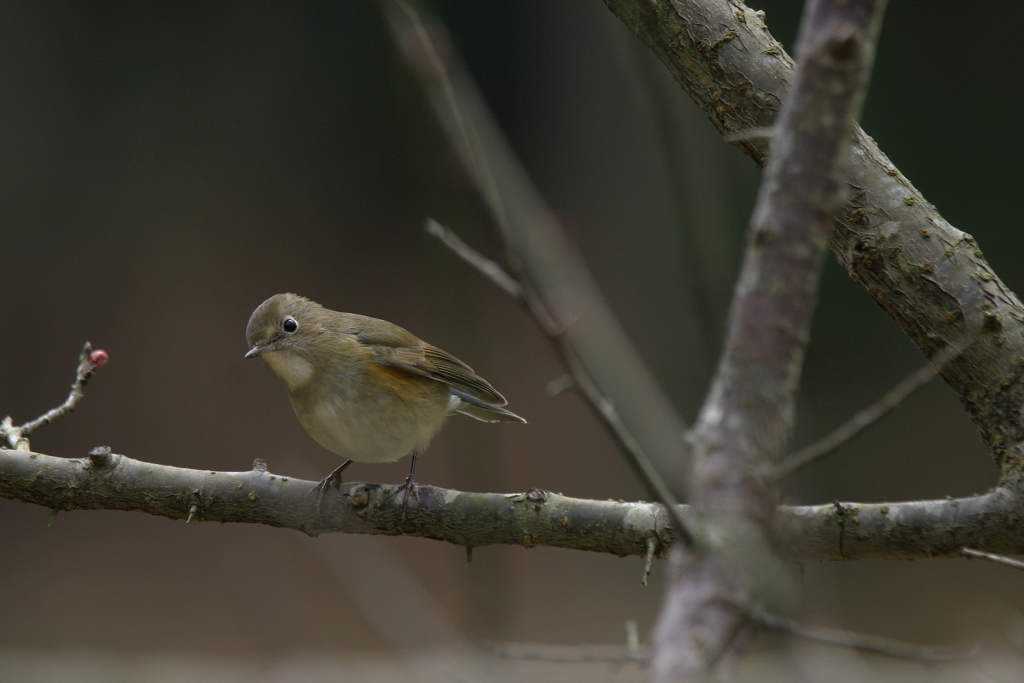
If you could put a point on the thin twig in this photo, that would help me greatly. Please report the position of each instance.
(88, 362)
(474, 258)
(867, 417)
(858, 423)
(992, 557)
(868, 643)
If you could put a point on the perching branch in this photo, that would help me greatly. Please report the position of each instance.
(106, 481)
(804, 533)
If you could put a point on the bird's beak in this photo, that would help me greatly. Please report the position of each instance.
(258, 350)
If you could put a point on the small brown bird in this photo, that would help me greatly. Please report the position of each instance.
(364, 388)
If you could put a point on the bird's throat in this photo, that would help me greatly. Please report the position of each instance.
(290, 367)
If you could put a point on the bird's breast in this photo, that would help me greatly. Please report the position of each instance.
(378, 415)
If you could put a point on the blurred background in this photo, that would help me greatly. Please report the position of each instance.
(166, 167)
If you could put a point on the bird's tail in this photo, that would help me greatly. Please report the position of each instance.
(477, 409)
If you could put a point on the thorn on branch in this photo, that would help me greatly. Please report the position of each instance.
(652, 548)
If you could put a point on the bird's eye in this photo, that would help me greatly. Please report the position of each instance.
(290, 325)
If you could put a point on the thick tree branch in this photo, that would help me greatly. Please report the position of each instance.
(930, 277)
(907, 530)
(747, 417)
(808, 533)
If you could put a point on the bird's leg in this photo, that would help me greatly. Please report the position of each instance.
(332, 479)
(409, 486)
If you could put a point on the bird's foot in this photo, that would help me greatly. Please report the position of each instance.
(410, 490)
(332, 479)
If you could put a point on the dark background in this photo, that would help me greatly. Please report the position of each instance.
(166, 167)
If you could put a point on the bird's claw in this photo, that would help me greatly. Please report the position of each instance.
(332, 479)
(410, 490)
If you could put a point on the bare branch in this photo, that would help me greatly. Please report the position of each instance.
(858, 423)
(811, 533)
(992, 557)
(929, 276)
(106, 481)
(920, 528)
(88, 362)
(867, 643)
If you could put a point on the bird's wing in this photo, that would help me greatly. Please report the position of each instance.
(429, 361)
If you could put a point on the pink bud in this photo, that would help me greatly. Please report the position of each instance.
(99, 357)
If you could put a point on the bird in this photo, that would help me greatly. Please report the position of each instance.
(364, 388)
